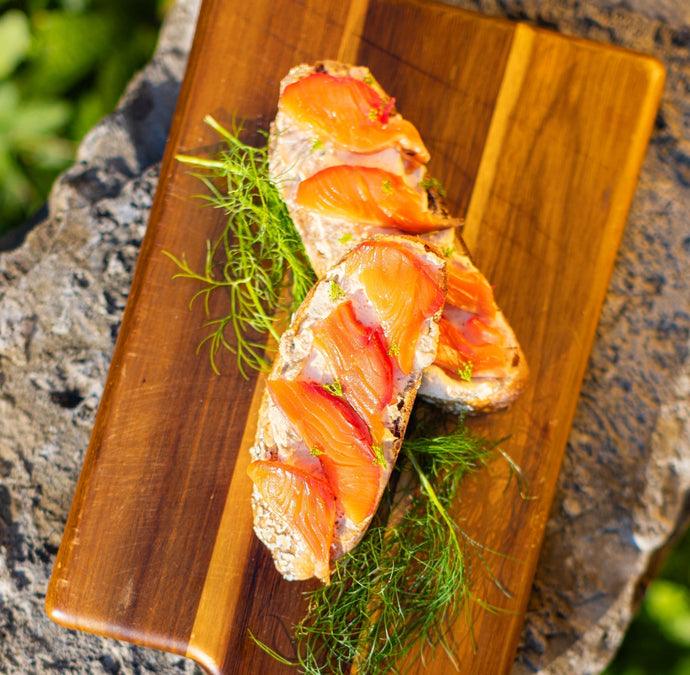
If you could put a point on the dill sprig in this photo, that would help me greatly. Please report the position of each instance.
(400, 590)
(258, 259)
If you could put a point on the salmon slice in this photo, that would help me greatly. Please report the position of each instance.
(303, 502)
(470, 291)
(340, 439)
(403, 291)
(473, 350)
(368, 195)
(351, 114)
(478, 332)
(357, 359)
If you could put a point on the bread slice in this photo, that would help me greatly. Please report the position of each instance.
(302, 362)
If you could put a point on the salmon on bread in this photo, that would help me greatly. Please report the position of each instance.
(309, 151)
(349, 167)
(338, 399)
(479, 365)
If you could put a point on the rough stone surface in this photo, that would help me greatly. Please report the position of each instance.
(623, 491)
(61, 299)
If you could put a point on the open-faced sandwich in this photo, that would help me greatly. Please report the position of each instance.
(399, 303)
(338, 399)
(349, 166)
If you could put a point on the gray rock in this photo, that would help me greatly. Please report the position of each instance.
(61, 299)
(626, 472)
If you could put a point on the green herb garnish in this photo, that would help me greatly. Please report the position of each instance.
(379, 457)
(258, 254)
(428, 183)
(335, 292)
(393, 350)
(402, 587)
(347, 237)
(334, 388)
(465, 371)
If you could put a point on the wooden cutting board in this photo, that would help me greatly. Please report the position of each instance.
(538, 139)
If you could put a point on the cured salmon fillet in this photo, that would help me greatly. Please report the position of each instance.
(304, 503)
(341, 190)
(338, 437)
(401, 307)
(476, 350)
(469, 290)
(367, 194)
(352, 114)
(336, 411)
(357, 358)
(479, 366)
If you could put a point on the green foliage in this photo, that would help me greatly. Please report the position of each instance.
(15, 40)
(658, 640)
(63, 66)
(258, 254)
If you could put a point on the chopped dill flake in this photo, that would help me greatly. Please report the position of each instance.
(386, 186)
(258, 256)
(379, 457)
(335, 292)
(447, 251)
(347, 237)
(317, 144)
(393, 350)
(465, 371)
(368, 79)
(334, 388)
(428, 183)
(315, 452)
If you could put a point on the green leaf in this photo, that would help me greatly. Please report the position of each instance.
(49, 152)
(9, 102)
(15, 39)
(67, 49)
(40, 117)
(16, 189)
(74, 6)
(668, 603)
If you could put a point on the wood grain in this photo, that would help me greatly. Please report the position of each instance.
(538, 139)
